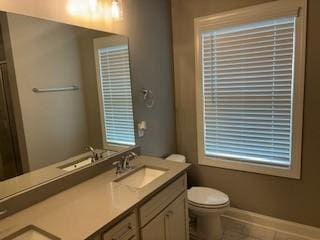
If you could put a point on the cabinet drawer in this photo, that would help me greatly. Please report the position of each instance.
(124, 230)
(157, 203)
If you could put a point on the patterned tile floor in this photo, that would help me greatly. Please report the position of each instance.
(230, 235)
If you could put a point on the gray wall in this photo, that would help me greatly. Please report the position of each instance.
(295, 200)
(148, 27)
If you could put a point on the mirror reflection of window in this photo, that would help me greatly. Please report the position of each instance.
(114, 83)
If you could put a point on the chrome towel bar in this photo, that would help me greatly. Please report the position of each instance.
(40, 90)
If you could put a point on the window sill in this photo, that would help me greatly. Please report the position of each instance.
(287, 172)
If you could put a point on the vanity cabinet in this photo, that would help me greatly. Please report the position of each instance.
(165, 216)
(162, 217)
(170, 224)
(161, 200)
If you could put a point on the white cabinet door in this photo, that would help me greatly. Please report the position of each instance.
(170, 224)
(156, 229)
(176, 219)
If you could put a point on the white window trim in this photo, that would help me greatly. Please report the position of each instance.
(98, 43)
(261, 12)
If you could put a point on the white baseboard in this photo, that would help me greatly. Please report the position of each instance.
(257, 226)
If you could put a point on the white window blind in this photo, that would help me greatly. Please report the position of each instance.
(116, 94)
(247, 84)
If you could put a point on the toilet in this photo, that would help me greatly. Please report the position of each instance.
(206, 205)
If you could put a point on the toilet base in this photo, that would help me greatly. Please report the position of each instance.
(209, 227)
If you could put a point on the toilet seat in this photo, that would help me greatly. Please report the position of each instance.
(208, 206)
(209, 198)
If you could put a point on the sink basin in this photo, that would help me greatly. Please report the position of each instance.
(83, 160)
(31, 233)
(75, 165)
(141, 177)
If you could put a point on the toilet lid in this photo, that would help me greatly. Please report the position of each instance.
(207, 196)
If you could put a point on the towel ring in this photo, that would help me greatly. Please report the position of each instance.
(148, 98)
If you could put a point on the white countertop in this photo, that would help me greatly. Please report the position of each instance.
(35, 178)
(82, 210)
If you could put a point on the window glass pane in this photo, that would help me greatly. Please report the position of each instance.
(247, 77)
(116, 93)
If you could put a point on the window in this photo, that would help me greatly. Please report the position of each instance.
(250, 71)
(113, 70)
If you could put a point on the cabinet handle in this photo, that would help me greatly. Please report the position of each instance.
(169, 213)
(2, 212)
(167, 224)
(129, 228)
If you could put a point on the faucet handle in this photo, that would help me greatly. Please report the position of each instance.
(133, 155)
(118, 164)
(127, 159)
(94, 154)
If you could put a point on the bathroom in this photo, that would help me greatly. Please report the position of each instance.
(149, 157)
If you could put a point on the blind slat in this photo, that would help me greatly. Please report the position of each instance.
(238, 33)
(286, 35)
(240, 59)
(261, 52)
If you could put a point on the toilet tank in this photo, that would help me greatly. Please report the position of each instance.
(176, 158)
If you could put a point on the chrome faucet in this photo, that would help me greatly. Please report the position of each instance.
(124, 164)
(94, 155)
(126, 160)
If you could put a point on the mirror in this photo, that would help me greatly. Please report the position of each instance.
(62, 88)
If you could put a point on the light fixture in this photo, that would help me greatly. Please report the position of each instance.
(95, 9)
(115, 10)
(93, 5)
